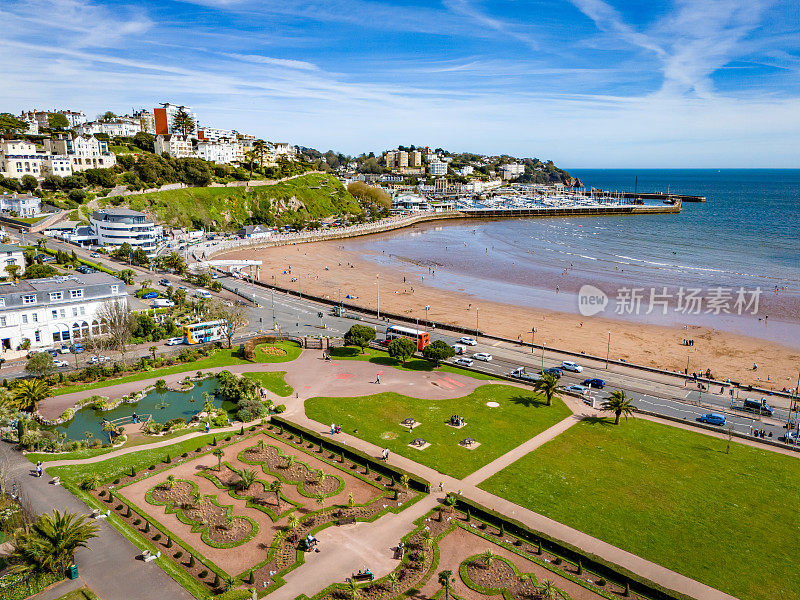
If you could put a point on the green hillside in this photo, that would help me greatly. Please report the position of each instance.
(307, 198)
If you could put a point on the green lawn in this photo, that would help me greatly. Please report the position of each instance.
(520, 416)
(273, 381)
(221, 358)
(292, 352)
(379, 357)
(83, 593)
(114, 467)
(673, 497)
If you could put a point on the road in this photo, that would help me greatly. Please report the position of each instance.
(657, 392)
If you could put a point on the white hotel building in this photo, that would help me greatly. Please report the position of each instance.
(55, 310)
(117, 226)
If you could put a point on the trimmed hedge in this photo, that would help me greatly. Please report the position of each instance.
(603, 568)
(362, 458)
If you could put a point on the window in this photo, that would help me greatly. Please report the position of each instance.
(2, 302)
(55, 314)
(83, 310)
(115, 289)
(56, 336)
(24, 319)
(74, 294)
(29, 299)
(35, 317)
(63, 313)
(2, 321)
(56, 296)
(74, 311)
(37, 336)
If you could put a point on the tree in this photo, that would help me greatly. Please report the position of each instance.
(41, 364)
(11, 125)
(12, 271)
(50, 543)
(119, 320)
(618, 403)
(174, 262)
(57, 121)
(353, 591)
(445, 580)
(232, 314)
(292, 523)
(438, 351)
(402, 349)
(247, 477)
(29, 393)
(107, 116)
(359, 335)
(276, 487)
(488, 557)
(153, 350)
(548, 591)
(127, 276)
(29, 183)
(183, 122)
(219, 453)
(145, 141)
(124, 251)
(260, 147)
(547, 386)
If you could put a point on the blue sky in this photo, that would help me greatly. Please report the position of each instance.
(588, 83)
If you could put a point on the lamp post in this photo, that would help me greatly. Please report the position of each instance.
(378, 285)
(608, 349)
(427, 308)
(533, 337)
(273, 306)
(477, 329)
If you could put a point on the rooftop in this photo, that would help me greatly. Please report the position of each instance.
(59, 282)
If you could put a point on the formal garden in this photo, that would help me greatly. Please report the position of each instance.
(224, 513)
(693, 503)
(496, 417)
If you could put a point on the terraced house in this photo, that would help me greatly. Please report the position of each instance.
(55, 310)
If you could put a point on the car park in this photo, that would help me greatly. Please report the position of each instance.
(174, 341)
(594, 382)
(463, 361)
(712, 419)
(577, 388)
(149, 295)
(484, 356)
(77, 348)
(95, 360)
(60, 363)
(554, 371)
(468, 341)
(568, 365)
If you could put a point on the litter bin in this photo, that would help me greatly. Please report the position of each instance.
(72, 572)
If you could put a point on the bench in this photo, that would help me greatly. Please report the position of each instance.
(359, 577)
(147, 556)
(55, 481)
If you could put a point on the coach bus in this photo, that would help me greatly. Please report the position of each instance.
(419, 337)
(208, 331)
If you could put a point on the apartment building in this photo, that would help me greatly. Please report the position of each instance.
(83, 151)
(41, 117)
(19, 158)
(212, 134)
(512, 171)
(56, 310)
(164, 118)
(177, 146)
(219, 152)
(437, 168)
(117, 226)
(396, 159)
(22, 205)
(415, 159)
(120, 127)
(11, 255)
(147, 120)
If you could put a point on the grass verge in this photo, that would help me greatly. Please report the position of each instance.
(273, 381)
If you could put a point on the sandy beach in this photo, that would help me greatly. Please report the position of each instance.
(327, 270)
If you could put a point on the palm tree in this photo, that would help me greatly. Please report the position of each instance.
(548, 591)
(547, 386)
(153, 352)
(618, 403)
(321, 502)
(427, 539)
(145, 283)
(276, 486)
(195, 497)
(219, 454)
(445, 579)
(293, 522)
(290, 461)
(352, 590)
(167, 485)
(51, 541)
(250, 156)
(29, 393)
(487, 557)
(247, 477)
(392, 579)
(127, 276)
(12, 271)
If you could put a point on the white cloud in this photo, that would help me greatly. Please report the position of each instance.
(278, 62)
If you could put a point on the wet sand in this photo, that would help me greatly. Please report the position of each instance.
(728, 355)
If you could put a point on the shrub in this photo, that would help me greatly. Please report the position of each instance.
(216, 580)
(168, 459)
(151, 468)
(185, 454)
(169, 542)
(147, 526)
(280, 408)
(128, 512)
(557, 560)
(214, 441)
(157, 537)
(133, 472)
(178, 554)
(102, 493)
(118, 507)
(116, 481)
(241, 430)
(203, 574)
(191, 560)
(228, 439)
(90, 482)
(601, 582)
(251, 579)
(137, 522)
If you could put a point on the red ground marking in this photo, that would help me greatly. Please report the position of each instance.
(453, 381)
(443, 383)
(343, 376)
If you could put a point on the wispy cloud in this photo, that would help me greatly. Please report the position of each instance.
(278, 62)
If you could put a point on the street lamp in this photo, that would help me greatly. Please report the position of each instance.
(427, 308)
(608, 349)
(378, 287)
(477, 329)
(533, 337)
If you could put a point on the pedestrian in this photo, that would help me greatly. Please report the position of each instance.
(441, 486)
(378, 378)
(39, 468)
(333, 428)
(208, 426)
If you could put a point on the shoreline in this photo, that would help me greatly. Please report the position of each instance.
(327, 270)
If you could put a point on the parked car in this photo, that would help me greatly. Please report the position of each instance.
(95, 360)
(757, 406)
(165, 282)
(568, 365)
(577, 388)
(94, 255)
(60, 363)
(594, 382)
(174, 341)
(521, 373)
(201, 293)
(484, 356)
(554, 371)
(65, 349)
(468, 341)
(463, 361)
(790, 437)
(77, 348)
(149, 295)
(52, 352)
(45, 258)
(712, 419)
(163, 303)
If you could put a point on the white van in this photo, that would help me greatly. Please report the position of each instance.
(163, 303)
(202, 294)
